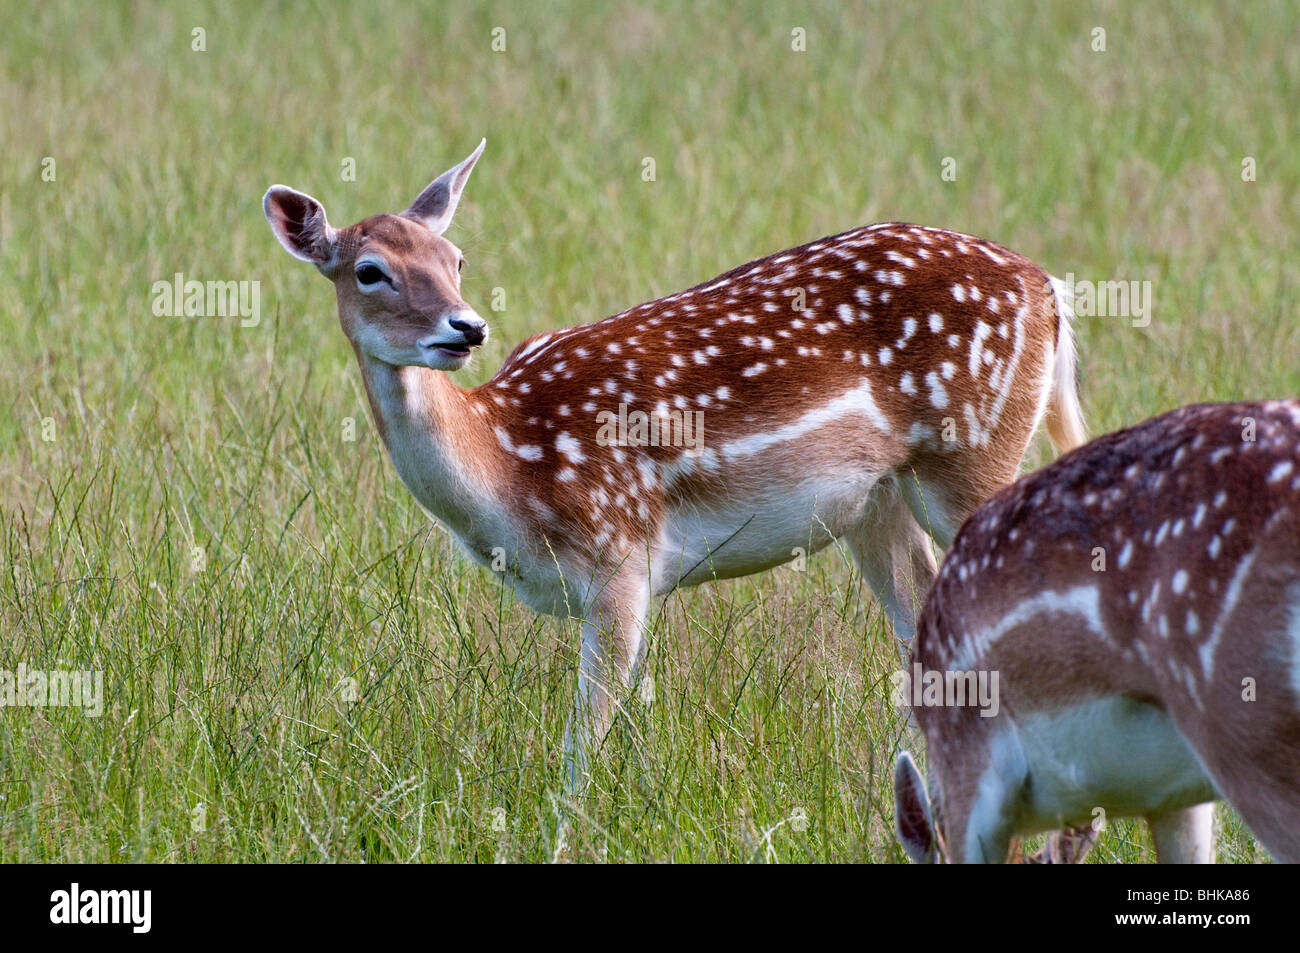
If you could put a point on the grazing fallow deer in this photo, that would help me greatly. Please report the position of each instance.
(869, 387)
(1139, 600)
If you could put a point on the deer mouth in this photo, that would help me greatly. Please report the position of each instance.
(449, 349)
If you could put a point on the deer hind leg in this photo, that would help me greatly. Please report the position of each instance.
(613, 630)
(1251, 749)
(1267, 803)
(1251, 754)
(1184, 837)
(894, 556)
(937, 515)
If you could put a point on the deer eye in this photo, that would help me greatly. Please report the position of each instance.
(370, 274)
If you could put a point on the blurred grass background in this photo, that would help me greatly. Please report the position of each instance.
(297, 665)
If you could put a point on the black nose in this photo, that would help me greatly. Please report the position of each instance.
(475, 330)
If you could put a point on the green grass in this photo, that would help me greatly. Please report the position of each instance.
(231, 730)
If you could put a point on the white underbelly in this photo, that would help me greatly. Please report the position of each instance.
(1121, 755)
(758, 532)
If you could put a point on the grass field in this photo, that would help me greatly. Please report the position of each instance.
(297, 665)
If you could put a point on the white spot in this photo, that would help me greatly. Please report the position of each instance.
(982, 331)
(569, 446)
(1125, 554)
(920, 434)
(938, 396)
(527, 451)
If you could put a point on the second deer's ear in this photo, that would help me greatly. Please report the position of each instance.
(437, 203)
(912, 819)
(299, 222)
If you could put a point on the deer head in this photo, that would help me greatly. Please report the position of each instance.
(397, 278)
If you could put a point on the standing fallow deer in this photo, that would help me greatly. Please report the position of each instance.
(869, 387)
(1139, 601)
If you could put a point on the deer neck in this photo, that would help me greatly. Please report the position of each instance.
(441, 446)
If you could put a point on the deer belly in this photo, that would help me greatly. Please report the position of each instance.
(1121, 755)
(742, 536)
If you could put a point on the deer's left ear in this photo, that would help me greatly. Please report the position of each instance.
(437, 204)
(912, 819)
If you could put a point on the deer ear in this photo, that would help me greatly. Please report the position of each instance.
(437, 204)
(299, 222)
(912, 819)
